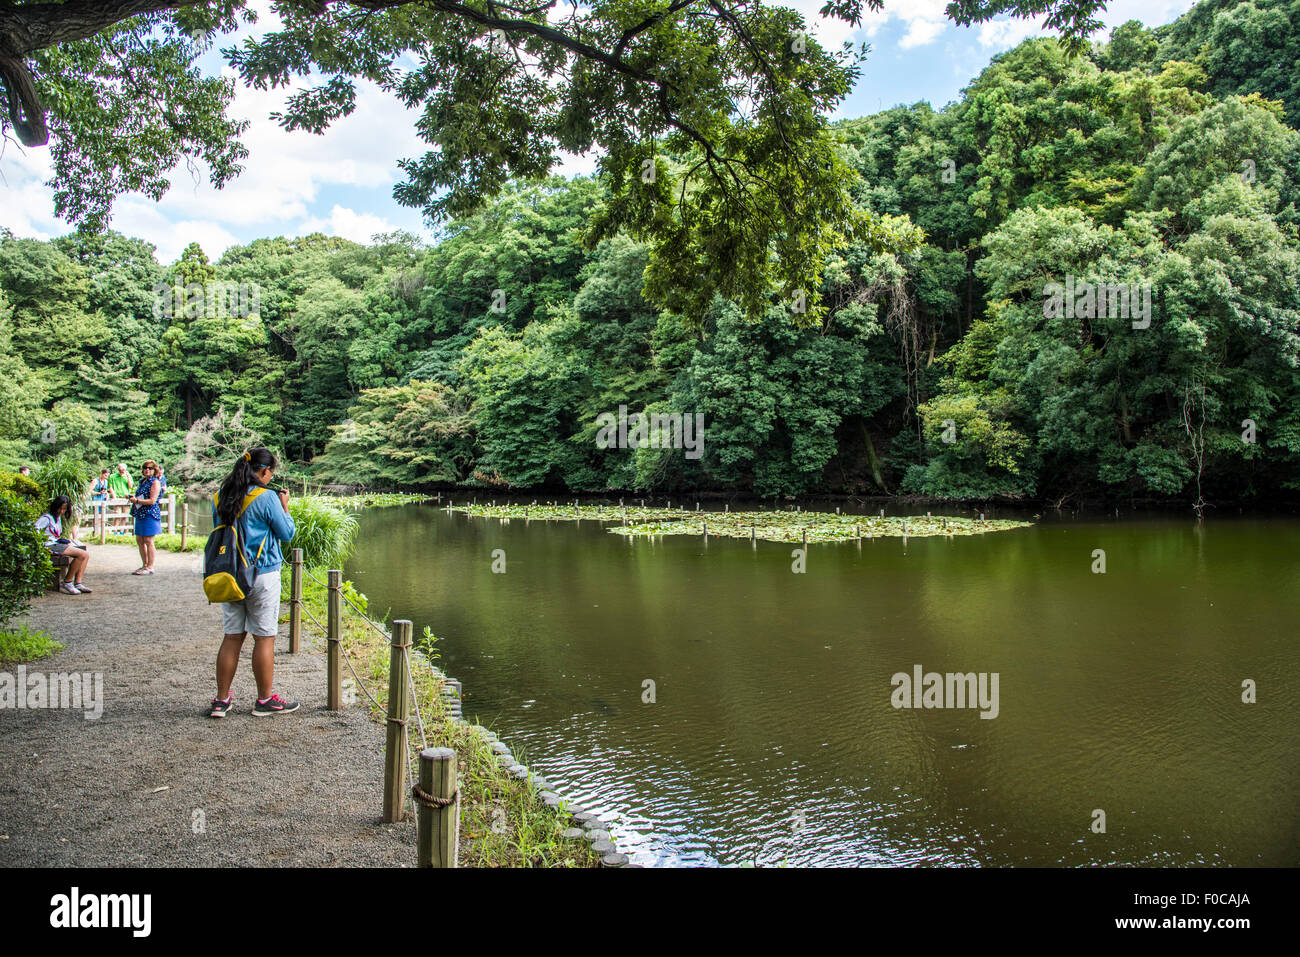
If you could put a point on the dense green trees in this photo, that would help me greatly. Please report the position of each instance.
(1244, 48)
(938, 363)
(709, 115)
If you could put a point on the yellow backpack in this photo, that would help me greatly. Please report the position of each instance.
(227, 573)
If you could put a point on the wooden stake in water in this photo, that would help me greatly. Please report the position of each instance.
(805, 536)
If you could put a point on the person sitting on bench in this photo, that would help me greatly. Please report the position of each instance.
(51, 523)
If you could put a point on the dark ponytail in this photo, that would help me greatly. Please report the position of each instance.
(231, 494)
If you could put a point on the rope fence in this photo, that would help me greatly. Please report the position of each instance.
(432, 786)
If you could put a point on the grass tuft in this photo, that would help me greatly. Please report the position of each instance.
(22, 644)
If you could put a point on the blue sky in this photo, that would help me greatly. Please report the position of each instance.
(341, 183)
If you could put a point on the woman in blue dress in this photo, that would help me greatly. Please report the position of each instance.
(147, 515)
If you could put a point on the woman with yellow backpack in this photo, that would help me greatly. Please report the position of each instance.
(261, 522)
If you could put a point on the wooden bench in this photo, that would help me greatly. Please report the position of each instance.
(60, 563)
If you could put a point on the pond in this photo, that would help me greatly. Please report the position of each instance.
(769, 734)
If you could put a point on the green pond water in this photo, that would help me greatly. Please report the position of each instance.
(772, 738)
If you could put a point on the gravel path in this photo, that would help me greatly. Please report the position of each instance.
(296, 789)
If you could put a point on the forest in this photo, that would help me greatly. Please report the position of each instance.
(1164, 162)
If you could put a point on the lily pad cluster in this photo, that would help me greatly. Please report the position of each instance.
(379, 499)
(813, 527)
(560, 512)
(769, 526)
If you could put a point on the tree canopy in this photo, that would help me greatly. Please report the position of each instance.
(939, 366)
(709, 115)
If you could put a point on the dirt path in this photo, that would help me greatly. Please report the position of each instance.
(297, 789)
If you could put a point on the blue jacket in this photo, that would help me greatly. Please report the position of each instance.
(268, 525)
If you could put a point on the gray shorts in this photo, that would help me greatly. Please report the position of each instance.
(259, 612)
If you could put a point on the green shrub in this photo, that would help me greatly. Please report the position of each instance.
(25, 566)
(23, 487)
(325, 532)
(23, 644)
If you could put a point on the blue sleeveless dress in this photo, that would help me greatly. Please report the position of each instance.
(148, 518)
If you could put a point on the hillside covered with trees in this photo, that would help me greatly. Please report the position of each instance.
(1165, 160)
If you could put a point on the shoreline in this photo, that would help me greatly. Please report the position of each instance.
(533, 827)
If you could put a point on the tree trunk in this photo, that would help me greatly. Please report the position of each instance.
(871, 456)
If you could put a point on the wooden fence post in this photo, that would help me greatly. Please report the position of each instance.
(295, 600)
(103, 521)
(398, 706)
(438, 828)
(171, 514)
(185, 524)
(334, 636)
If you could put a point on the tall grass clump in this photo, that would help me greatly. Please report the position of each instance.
(325, 532)
(65, 474)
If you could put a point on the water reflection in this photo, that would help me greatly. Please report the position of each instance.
(771, 739)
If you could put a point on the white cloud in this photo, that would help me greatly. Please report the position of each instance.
(920, 32)
(924, 20)
(572, 164)
(830, 32)
(1004, 34)
(349, 224)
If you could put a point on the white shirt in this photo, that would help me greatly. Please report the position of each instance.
(51, 526)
